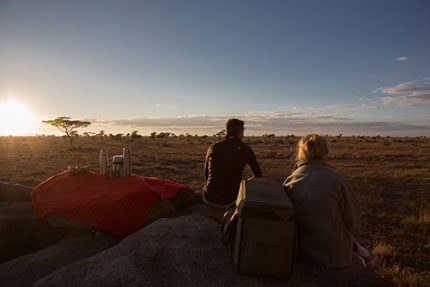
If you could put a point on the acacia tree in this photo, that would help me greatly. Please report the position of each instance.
(67, 126)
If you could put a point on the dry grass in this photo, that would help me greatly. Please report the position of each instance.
(391, 176)
(385, 250)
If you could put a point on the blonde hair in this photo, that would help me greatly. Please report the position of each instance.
(312, 147)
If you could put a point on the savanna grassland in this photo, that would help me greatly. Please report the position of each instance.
(391, 176)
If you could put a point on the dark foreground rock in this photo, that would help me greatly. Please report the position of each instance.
(25, 270)
(21, 231)
(15, 192)
(186, 251)
(205, 210)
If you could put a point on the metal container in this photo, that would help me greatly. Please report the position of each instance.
(116, 159)
(103, 161)
(110, 173)
(127, 161)
(118, 165)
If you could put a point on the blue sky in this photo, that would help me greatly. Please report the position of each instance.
(351, 67)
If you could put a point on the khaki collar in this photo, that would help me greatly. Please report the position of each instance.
(312, 162)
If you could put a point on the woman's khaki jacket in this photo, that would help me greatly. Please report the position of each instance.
(328, 212)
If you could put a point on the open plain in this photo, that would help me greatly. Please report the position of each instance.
(391, 176)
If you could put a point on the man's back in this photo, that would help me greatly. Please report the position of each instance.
(225, 161)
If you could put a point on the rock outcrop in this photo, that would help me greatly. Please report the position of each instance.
(21, 231)
(25, 270)
(186, 251)
(15, 192)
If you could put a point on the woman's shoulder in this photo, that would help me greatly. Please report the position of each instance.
(315, 168)
(314, 165)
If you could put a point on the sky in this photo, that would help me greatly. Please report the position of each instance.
(327, 67)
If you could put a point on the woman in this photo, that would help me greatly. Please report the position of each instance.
(328, 210)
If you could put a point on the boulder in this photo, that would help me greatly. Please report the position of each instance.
(205, 210)
(186, 251)
(21, 231)
(186, 197)
(25, 270)
(15, 192)
(67, 225)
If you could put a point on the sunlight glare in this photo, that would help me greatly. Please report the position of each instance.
(15, 119)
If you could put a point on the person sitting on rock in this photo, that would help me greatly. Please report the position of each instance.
(225, 161)
(327, 209)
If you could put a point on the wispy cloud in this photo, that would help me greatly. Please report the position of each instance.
(349, 107)
(402, 59)
(281, 122)
(414, 93)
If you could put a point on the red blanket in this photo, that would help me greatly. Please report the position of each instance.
(115, 205)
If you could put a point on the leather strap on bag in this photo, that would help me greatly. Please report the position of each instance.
(229, 222)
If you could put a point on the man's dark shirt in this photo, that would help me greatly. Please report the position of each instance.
(225, 161)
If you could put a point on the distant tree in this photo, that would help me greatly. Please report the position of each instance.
(135, 135)
(153, 135)
(86, 134)
(220, 133)
(67, 126)
(269, 135)
(163, 135)
(101, 133)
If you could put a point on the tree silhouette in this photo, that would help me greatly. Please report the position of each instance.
(220, 134)
(67, 126)
(135, 135)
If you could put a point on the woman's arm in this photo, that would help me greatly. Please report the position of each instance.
(351, 209)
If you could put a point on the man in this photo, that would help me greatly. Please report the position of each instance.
(225, 161)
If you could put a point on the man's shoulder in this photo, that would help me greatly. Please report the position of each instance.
(245, 146)
(219, 143)
(229, 142)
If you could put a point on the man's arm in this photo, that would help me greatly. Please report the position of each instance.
(255, 167)
(206, 169)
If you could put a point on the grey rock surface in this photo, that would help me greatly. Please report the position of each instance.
(25, 270)
(205, 210)
(187, 251)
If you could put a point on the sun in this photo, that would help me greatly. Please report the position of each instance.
(15, 118)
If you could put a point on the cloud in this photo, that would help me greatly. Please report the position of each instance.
(402, 59)
(279, 122)
(416, 93)
(408, 100)
(350, 107)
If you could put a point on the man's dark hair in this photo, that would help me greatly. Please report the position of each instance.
(233, 127)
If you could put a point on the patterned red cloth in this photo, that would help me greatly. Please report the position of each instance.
(115, 205)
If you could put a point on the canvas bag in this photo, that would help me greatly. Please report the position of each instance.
(260, 230)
